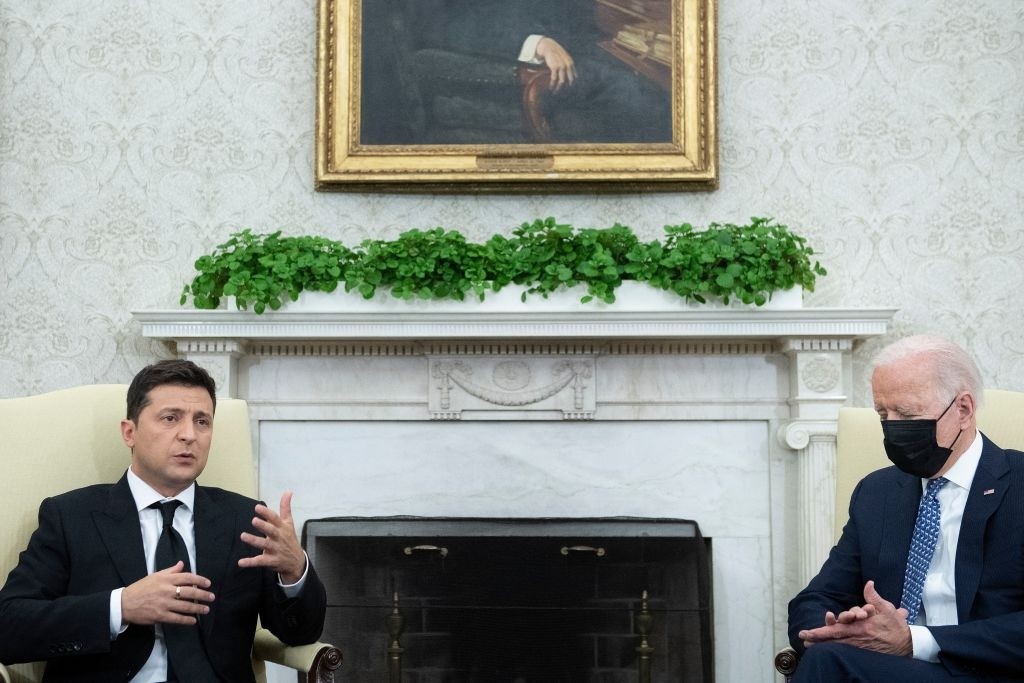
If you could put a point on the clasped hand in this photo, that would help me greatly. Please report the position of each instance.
(877, 625)
(169, 596)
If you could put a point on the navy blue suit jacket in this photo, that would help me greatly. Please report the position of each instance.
(55, 604)
(989, 571)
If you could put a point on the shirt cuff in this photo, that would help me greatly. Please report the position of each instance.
(925, 646)
(528, 53)
(293, 589)
(116, 628)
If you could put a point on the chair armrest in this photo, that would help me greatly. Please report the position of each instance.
(786, 660)
(30, 672)
(317, 660)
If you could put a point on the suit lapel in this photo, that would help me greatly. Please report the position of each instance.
(118, 526)
(213, 527)
(986, 494)
(900, 517)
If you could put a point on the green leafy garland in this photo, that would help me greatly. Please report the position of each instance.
(746, 262)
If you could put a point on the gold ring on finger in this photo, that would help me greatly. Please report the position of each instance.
(177, 592)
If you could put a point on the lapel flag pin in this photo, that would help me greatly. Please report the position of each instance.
(988, 491)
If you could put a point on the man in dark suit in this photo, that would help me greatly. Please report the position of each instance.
(926, 582)
(105, 592)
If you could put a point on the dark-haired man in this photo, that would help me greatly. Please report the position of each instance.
(926, 582)
(155, 578)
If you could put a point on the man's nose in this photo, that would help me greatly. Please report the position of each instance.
(187, 431)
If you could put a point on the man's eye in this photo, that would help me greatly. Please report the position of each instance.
(204, 422)
(169, 418)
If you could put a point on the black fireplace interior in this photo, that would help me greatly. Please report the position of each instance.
(430, 600)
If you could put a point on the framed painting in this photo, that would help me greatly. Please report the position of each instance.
(516, 95)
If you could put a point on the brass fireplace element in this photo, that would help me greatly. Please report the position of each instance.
(396, 624)
(644, 622)
(643, 619)
(409, 550)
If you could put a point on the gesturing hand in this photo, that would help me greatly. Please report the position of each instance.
(877, 625)
(279, 544)
(169, 596)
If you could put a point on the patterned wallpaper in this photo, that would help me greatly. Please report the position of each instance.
(135, 136)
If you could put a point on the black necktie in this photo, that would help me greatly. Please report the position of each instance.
(171, 546)
(186, 656)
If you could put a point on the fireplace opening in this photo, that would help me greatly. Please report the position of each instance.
(431, 600)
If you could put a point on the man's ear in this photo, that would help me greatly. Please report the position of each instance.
(128, 433)
(966, 405)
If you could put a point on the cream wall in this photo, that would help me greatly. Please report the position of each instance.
(135, 136)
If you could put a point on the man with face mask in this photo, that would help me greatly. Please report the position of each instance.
(926, 582)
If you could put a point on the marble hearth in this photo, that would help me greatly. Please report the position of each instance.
(723, 416)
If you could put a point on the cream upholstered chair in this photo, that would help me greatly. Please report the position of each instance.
(860, 451)
(71, 438)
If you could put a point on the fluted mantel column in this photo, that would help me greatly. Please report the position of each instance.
(819, 380)
(219, 357)
(815, 443)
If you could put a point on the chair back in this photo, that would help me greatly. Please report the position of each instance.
(859, 441)
(70, 438)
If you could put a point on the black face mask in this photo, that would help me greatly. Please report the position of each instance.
(912, 446)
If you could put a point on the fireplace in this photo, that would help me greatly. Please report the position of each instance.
(726, 417)
(502, 600)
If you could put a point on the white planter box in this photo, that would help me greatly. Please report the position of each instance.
(630, 296)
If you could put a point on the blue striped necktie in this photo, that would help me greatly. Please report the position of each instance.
(922, 547)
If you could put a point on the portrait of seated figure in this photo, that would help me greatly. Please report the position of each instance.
(481, 72)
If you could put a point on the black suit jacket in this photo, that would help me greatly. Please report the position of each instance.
(497, 28)
(55, 605)
(989, 570)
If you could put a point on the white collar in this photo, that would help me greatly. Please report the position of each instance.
(962, 471)
(145, 496)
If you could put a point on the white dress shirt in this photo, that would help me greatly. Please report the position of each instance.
(152, 524)
(938, 598)
(528, 52)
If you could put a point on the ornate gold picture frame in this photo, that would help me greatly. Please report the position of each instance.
(516, 95)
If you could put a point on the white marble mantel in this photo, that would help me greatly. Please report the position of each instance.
(766, 383)
(710, 323)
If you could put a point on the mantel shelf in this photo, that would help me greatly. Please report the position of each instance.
(712, 323)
